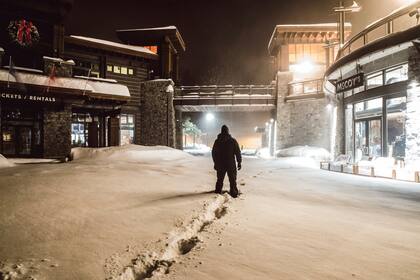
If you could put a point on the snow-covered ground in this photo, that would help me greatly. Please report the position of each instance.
(134, 212)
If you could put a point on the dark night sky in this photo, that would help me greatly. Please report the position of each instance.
(226, 39)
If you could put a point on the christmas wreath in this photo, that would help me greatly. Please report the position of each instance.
(23, 32)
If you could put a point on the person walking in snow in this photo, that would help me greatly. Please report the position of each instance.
(225, 150)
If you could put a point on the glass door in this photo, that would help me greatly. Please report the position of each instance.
(368, 138)
(360, 140)
(24, 146)
(375, 138)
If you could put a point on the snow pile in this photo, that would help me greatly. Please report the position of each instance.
(264, 153)
(306, 152)
(4, 162)
(131, 153)
(198, 150)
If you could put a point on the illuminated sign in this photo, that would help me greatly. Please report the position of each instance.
(27, 97)
(350, 83)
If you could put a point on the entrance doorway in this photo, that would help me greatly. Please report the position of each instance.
(21, 133)
(368, 138)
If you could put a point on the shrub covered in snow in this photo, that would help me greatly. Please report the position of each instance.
(305, 151)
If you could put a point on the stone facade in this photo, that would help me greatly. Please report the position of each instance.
(157, 124)
(305, 122)
(413, 105)
(57, 132)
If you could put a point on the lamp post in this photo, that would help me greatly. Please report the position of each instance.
(341, 10)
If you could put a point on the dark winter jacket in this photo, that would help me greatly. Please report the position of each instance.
(225, 149)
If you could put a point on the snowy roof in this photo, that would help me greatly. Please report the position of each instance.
(94, 88)
(297, 31)
(171, 27)
(152, 36)
(112, 46)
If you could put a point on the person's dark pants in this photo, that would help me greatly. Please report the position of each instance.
(232, 180)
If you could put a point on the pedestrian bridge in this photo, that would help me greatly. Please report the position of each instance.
(225, 98)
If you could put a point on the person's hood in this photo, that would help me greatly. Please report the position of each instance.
(224, 137)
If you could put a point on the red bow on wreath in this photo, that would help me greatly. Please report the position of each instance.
(24, 28)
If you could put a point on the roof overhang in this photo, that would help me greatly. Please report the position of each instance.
(281, 33)
(109, 46)
(153, 36)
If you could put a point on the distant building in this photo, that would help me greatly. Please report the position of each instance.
(301, 55)
(58, 91)
(306, 50)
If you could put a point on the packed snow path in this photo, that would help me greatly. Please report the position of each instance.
(146, 212)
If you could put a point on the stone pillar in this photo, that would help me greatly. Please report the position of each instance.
(337, 125)
(57, 132)
(412, 152)
(179, 130)
(283, 111)
(158, 113)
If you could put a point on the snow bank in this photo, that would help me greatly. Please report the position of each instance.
(132, 153)
(306, 152)
(4, 162)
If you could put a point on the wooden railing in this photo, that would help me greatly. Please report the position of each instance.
(237, 91)
(401, 19)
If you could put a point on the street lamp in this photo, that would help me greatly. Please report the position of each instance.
(341, 10)
(209, 117)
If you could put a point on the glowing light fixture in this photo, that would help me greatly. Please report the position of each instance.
(210, 117)
(305, 66)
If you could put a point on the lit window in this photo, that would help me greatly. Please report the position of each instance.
(109, 68)
(126, 129)
(124, 70)
(117, 69)
(396, 74)
(130, 71)
(374, 80)
(153, 49)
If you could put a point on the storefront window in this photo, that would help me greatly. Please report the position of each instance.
(79, 129)
(375, 80)
(368, 109)
(396, 74)
(127, 129)
(395, 109)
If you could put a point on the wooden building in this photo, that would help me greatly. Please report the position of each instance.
(59, 91)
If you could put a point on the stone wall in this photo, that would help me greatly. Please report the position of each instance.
(57, 132)
(305, 122)
(413, 104)
(157, 124)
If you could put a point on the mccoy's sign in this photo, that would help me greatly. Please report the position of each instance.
(27, 97)
(350, 83)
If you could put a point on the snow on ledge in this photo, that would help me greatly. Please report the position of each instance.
(102, 87)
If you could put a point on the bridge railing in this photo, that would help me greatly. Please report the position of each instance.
(305, 89)
(228, 91)
(401, 19)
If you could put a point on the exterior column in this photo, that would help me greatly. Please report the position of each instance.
(57, 132)
(179, 130)
(158, 122)
(283, 111)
